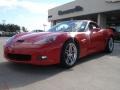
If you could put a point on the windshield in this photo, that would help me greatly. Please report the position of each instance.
(69, 26)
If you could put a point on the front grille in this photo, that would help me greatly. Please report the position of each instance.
(19, 57)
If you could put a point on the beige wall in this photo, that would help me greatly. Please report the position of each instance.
(89, 7)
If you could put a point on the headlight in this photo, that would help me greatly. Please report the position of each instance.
(47, 40)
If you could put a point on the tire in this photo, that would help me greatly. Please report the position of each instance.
(110, 45)
(69, 54)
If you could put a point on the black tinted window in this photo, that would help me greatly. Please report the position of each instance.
(83, 27)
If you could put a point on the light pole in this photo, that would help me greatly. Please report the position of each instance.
(44, 25)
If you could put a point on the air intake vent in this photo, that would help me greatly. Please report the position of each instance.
(20, 41)
(19, 57)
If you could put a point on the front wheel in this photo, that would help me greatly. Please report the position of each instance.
(110, 45)
(69, 54)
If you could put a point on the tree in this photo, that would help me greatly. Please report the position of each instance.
(24, 29)
(1, 27)
(9, 28)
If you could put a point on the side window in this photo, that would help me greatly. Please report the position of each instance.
(93, 26)
(62, 27)
(82, 27)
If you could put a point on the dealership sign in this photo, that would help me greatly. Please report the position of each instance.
(76, 9)
(112, 1)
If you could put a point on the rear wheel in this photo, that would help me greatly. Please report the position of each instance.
(69, 54)
(110, 45)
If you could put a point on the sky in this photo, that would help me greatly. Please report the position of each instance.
(29, 13)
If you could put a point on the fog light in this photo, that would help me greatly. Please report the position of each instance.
(42, 57)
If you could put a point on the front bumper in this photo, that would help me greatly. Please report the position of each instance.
(32, 55)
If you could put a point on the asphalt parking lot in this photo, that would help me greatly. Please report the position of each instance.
(96, 72)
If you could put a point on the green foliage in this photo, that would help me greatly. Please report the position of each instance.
(9, 28)
(24, 29)
(118, 39)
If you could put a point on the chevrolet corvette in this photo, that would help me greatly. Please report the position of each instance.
(63, 44)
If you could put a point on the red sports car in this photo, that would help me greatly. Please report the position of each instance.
(63, 44)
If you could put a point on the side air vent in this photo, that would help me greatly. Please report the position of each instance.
(20, 41)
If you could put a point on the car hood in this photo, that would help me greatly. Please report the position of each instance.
(33, 37)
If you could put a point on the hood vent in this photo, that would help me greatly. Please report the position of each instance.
(20, 41)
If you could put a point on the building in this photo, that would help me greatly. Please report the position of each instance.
(105, 12)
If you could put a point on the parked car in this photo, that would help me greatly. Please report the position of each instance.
(1, 33)
(64, 44)
(116, 33)
(37, 30)
(7, 34)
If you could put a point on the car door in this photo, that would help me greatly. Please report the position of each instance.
(82, 38)
(96, 37)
